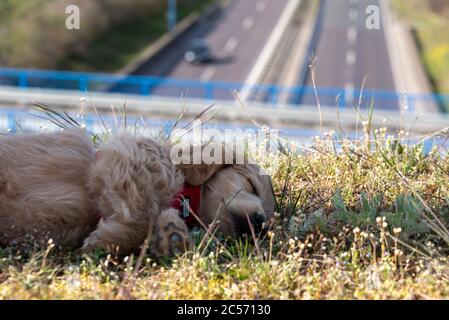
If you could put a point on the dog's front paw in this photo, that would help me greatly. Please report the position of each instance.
(94, 242)
(171, 235)
(89, 245)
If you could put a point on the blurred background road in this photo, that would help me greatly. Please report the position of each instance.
(346, 52)
(261, 48)
(236, 39)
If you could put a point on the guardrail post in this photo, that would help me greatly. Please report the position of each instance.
(342, 102)
(23, 79)
(145, 88)
(151, 85)
(274, 91)
(209, 91)
(297, 95)
(441, 101)
(83, 83)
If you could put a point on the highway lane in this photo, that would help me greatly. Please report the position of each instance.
(347, 51)
(236, 39)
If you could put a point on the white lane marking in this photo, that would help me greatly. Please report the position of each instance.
(351, 58)
(231, 44)
(207, 74)
(353, 14)
(390, 37)
(260, 6)
(352, 35)
(247, 23)
(264, 57)
(354, 2)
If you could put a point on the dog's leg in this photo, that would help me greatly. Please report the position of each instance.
(170, 235)
(116, 236)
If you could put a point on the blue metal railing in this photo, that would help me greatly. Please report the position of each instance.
(219, 90)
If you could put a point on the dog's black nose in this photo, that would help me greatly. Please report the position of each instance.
(257, 220)
(243, 227)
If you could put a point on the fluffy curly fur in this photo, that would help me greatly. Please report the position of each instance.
(58, 186)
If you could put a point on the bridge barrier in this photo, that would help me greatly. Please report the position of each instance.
(215, 90)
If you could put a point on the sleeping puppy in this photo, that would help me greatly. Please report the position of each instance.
(59, 186)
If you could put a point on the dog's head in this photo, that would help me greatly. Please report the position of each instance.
(236, 194)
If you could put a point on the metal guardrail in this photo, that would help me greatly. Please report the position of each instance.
(170, 87)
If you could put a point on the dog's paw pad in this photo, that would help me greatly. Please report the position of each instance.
(175, 238)
(178, 244)
(172, 235)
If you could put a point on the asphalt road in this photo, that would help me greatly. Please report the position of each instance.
(346, 52)
(236, 38)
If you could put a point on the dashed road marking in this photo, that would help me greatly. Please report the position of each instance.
(247, 23)
(207, 74)
(260, 6)
(231, 44)
(351, 58)
(352, 34)
(353, 14)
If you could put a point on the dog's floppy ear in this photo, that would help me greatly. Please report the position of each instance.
(200, 162)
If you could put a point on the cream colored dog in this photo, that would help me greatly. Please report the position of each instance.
(58, 186)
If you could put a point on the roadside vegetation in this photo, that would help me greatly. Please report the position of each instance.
(112, 32)
(355, 219)
(430, 20)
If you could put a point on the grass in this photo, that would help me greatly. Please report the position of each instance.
(355, 219)
(431, 21)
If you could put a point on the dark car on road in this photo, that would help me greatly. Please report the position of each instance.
(198, 52)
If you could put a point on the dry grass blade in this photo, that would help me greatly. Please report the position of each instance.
(199, 116)
(313, 76)
(61, 119)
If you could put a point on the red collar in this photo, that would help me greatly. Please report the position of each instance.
(187, 200)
